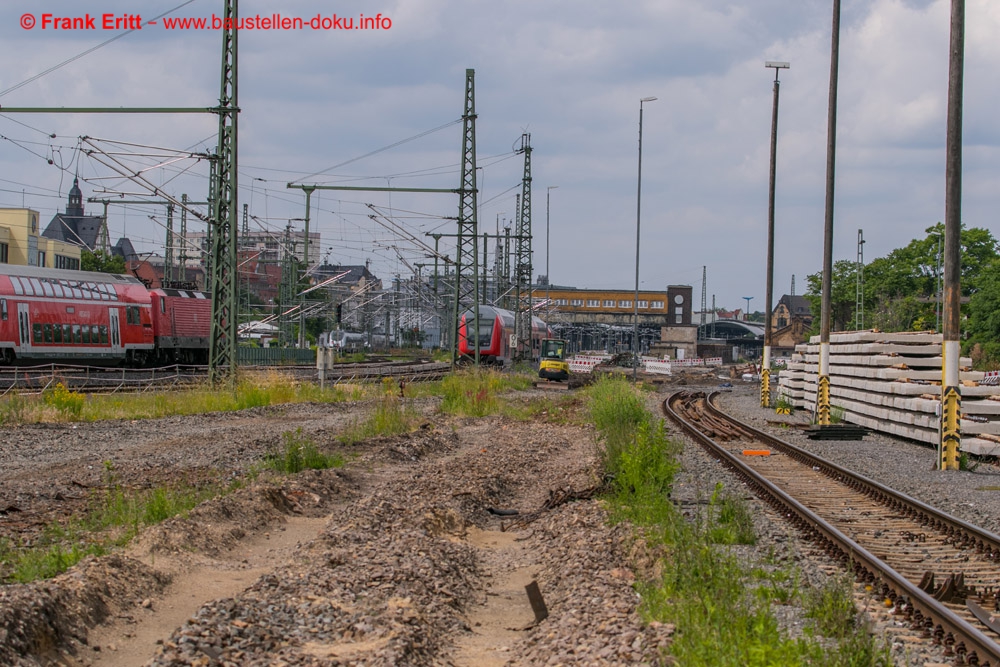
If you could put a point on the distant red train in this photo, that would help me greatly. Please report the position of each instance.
(53, 315)
(496, 326)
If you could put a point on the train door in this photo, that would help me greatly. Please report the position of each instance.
(116, 340)
(23, 329)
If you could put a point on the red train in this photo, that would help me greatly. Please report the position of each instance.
(496, 326)
(53, 315)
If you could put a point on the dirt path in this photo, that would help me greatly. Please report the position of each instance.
(131, 640)
(505, 612)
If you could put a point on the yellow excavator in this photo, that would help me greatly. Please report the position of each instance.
(553, 364)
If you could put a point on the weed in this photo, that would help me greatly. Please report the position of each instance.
(475, 393)
(730, 521)
(64, 400)
(13, 409)
(390, 417)
(299, 453)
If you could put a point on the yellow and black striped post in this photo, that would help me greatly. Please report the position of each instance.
(765, 388)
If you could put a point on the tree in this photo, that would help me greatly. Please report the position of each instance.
(901, 289)
(984, 316)
(101, 261)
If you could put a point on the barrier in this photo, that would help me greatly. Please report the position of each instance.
(991, 378)
(582, 365)
(658, 367)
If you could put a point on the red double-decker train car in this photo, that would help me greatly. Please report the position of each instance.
(53, 315)
(496, 326)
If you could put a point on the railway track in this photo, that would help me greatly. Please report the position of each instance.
(939, 573)
(97, 379)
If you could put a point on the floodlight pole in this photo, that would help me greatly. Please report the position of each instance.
(638, 212)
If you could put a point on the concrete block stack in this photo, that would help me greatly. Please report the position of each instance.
(891, 382)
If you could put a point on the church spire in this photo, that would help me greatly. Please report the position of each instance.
(75, 205)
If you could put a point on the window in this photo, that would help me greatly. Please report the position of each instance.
(782, 322)
(132, 315)
(18, 287)
(576, 302)
(36, 333)
(657, 304)
(41, 258)
(643, 304)
(562, 302)
(593, 303)
(163, 304)
(104, 335)
(47, 288)
(67, 333)
(63, 262)
(624, 304)
(3, 309)
(4, 253)
(48, 333)
(77, 335)
(57, 333)
(86, 334)
(609, 303)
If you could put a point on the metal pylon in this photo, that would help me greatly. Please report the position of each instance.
(466, 254)
(222, 348)
(522, 260)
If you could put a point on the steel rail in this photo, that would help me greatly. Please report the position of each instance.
(969, 643)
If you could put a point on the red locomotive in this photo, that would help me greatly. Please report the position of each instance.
(496, 326)
(53, 315)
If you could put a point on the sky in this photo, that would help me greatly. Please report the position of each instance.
(569, 72)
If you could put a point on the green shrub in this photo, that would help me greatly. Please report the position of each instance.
(299, 453)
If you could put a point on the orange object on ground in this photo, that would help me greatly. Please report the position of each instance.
(756, 452)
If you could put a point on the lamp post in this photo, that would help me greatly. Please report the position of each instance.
(548, 277)
(638, 213)
(765, 365)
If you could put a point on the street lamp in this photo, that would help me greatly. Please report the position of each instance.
(638, 212)
(548, 277)
(765, 366)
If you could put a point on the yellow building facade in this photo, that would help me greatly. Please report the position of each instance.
(21, 242)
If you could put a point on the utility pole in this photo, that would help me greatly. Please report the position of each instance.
(466, 254)
(182, 255)
(765, 365)
(704, 297)
(823, 383)
(951, 388)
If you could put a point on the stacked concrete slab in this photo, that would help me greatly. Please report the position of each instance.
(891, 382)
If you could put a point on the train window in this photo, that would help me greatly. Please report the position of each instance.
(70, 310)
(77, 292)
(77, 335)
(57, 288)
(163, 304)
(132, 315)
(89, 291)
(104, 335)
(47, 328)
(47, 288)
(16, 282)
(36, 286)
(3, 309)
(86, 334)
(56, 333)
(67, 333)
(36, 333)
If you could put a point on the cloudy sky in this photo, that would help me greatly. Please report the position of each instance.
(569, 72)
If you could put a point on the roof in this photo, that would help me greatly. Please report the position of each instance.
(797, 305)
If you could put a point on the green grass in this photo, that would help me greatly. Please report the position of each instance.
(115, 516)
(298, 453)
(476, 392)
(390, 417)
(59, 404)
(720, 606)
